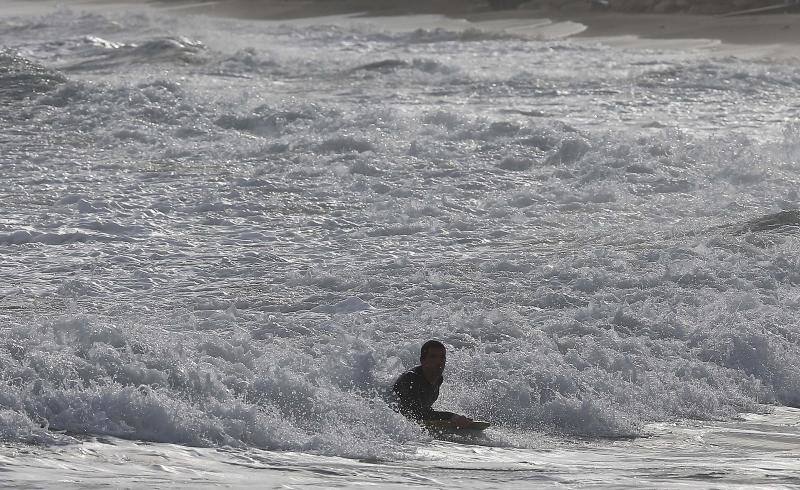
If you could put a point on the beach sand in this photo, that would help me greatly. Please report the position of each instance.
(775, 36)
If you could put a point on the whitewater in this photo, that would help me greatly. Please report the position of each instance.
(222, 240)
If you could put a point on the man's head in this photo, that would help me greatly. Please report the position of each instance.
(432, 357)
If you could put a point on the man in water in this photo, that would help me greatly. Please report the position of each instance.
(416, 390)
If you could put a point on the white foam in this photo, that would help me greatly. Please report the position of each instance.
(230, 233)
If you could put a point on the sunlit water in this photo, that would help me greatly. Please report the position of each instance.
(222, 240)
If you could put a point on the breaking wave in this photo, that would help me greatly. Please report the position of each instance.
(227, 235)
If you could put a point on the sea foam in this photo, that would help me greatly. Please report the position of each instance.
(224, 233)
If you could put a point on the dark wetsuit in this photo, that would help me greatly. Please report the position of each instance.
(415, 396)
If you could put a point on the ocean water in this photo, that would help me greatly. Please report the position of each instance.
(222, 240)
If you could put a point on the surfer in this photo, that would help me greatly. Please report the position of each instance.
(416, 390)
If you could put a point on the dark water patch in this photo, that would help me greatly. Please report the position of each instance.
(21, 78)
(344, 144)
(23, 237)
(389, 66)
(570, 151)
(245, 63)
(709, 77)
(783, 222)
(521, 112)
(516, 164)
(383, 66)
(262, 121)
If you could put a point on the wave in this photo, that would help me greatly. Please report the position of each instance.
(787, 221)
(266, 120)
(160, 50)
(603, 374)
(110, 232)
(245, 63)
(112, 380)
(219, 245)
(21, 78)
(714, 77)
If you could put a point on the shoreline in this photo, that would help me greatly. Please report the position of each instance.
(741, 29)
(770, 36)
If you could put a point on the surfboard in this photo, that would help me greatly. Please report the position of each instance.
(446, 426)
